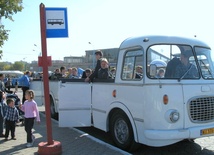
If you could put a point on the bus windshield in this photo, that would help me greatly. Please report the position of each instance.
(181, 62)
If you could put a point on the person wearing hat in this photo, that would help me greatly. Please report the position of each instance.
(99, 55)
(185, 69)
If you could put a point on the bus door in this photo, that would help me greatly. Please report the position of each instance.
(74, 104)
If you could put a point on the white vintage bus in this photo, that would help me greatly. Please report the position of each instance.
(149, 110)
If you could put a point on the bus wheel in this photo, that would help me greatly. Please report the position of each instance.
(53, 112)
(121, 130)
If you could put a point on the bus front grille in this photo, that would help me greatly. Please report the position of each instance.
(201, 110)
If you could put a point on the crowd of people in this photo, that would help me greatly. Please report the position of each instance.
(9, 112)
(101, 71)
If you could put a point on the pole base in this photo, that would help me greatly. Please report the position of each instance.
(53, 149)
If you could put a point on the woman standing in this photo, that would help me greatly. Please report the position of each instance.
(24, 82)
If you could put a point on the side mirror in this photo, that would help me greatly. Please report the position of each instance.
(152, 70)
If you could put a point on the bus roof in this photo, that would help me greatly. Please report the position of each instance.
(152, 39)
(11, 72)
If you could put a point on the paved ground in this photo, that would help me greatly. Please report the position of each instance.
(73, 142)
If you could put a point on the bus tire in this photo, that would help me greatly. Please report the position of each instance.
(121, 131)
(53, 112)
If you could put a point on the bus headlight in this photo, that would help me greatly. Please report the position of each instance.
(172, 116)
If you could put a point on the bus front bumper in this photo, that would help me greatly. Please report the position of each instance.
(189, 133)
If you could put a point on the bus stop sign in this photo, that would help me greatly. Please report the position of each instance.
(56, 22)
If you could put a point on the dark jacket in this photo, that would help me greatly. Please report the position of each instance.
(2, 109)
(83, 75)
(3, 88)
(171, 66)
(95, 73)
(103, 73)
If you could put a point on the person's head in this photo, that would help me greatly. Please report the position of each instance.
(185, 55)
(184, 59)
(10, 102)
(104, 63)
(29, 94)
(62, 69)
(74, 71)
(161, 72)
(69, 70)
(28, 73)
(98, 54)
(139, 69)
(56, 70)
(1, 76)
(88, 72)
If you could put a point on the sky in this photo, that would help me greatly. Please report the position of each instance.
(105, 24)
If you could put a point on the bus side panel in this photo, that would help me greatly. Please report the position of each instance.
(154, 116)
(101, 100)
(145, 106)
(74, 104)
(37, 87)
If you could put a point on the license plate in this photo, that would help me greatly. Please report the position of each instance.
(207, 131)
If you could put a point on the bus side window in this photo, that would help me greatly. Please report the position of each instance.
(133, 65)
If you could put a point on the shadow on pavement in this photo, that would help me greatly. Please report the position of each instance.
(181, 148)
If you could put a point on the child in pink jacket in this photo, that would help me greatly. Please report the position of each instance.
(31, 112)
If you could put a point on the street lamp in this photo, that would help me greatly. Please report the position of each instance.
(24, 63)
(93, 58)
(40, 54)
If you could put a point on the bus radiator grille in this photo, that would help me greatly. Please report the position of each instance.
(201, 110)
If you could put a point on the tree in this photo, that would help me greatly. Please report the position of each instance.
(5, 66)
(18, 65)
(7, 9)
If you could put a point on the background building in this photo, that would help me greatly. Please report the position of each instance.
(87, 61)
(111, 54)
